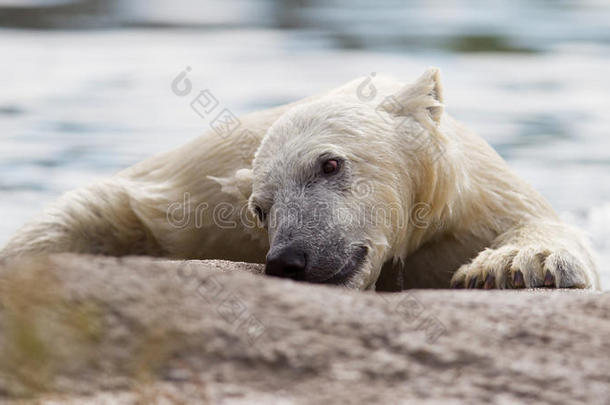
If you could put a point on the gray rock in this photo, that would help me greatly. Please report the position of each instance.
(94, 330)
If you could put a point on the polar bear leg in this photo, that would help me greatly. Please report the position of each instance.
(97, 219)
(536, 254)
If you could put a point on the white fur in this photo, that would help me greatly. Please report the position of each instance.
(480, 218)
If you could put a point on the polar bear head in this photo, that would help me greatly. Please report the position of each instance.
(335, 181)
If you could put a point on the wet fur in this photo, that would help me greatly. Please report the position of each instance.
(483, 220)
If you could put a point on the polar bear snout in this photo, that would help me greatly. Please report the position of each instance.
(294, 262)
(287, 262)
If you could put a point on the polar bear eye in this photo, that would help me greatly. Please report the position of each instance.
(330, 166)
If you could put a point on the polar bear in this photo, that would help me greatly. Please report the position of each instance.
(369, 186)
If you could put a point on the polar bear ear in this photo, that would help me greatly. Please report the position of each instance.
(239, 185)
(422, 99)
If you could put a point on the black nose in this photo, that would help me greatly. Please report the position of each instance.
(287, 262)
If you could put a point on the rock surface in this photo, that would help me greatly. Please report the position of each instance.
(94, 330)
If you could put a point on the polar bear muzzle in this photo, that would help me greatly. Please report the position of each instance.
(294, 261)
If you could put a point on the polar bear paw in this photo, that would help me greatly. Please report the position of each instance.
(523, 267)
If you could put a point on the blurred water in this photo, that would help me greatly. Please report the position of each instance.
(86, 85)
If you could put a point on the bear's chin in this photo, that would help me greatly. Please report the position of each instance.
(346, 274)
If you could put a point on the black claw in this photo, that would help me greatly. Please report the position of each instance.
(549, 279)
(490, 282)
(473, 282)
(458, 284)
(518, 281)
